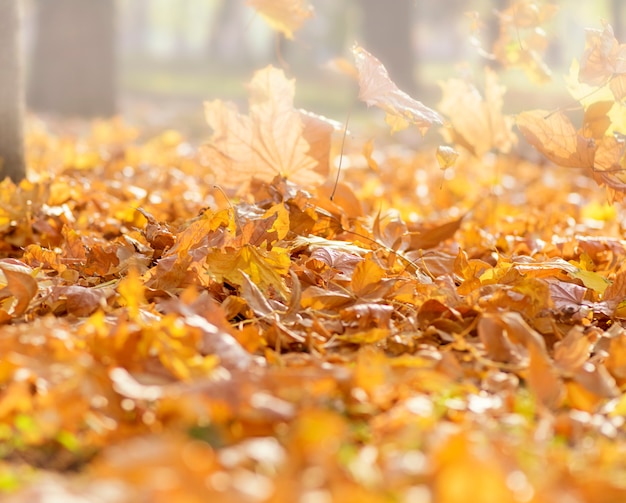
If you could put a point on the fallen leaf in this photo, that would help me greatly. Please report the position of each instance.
(446, 156)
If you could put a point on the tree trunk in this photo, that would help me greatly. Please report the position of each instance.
(74, 69)
(617, 13)
(387, 34)
(11, 93)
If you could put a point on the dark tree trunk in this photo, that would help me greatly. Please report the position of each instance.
(11, 93)
(387, 34)
(73, 70)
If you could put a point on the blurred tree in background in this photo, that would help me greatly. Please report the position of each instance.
(11, 92)
(387, 33)
(73, 69)
(618, 11)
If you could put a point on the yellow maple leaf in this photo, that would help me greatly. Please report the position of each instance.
(285, 16)
(264, 268)
(131, 290)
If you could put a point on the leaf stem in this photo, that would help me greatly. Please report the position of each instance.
(343, 142)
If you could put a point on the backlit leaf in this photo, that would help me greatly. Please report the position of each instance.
(270, 141)
(554, 136)
(482, 126)
(377, 89)
(603, 57)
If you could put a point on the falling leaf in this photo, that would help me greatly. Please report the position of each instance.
(271, 141)
(368, 151)
(285, 16)
(377, 89)
(482, 126)
(446, 156)
(554, 136)
(604, 56)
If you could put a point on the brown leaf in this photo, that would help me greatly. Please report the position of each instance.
(573, 351)
(497, 343)
(429, 238)
(377, 89)
(79, 300)
(255, 298)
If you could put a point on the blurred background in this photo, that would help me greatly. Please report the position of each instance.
(155, 61)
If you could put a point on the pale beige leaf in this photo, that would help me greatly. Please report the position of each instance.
(476, 122)
(377, 89)
(604, 56)
(271, 141)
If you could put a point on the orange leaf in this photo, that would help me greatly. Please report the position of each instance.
(366, 277)
(132, 292)
(285, 16)
(618, 86)
(543, 380)
(554, 136)
(377, 89)
(429, 238)
(596, 120)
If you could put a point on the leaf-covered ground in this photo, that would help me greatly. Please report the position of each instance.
(418, 338)
(223, 324)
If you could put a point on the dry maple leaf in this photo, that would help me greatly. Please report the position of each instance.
(377, 89)
(274, 139)
(604, 57)
(285, 16)
(555, 136)
(477, 122)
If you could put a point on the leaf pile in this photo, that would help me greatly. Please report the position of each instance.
(422, 336)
